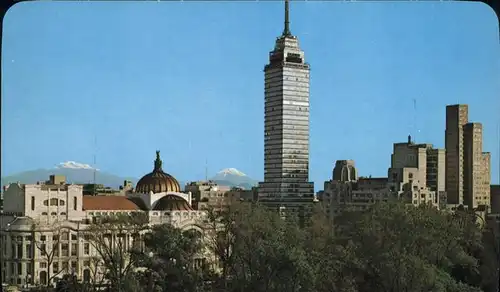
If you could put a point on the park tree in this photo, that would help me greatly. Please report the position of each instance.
(403, 248)
(173, 259)
(258, 251)
(47, 241)
(114, 240)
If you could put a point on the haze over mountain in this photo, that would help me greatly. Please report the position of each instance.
(81, 173)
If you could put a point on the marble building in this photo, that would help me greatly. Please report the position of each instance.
(45, 223)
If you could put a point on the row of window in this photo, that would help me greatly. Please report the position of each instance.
(58, 249)
(54, 202)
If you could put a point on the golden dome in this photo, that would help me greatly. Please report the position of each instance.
(172, 203)
(157, 181)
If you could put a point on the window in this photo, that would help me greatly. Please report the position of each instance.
(43, 249)
(45, 202)
(65, 236)
(43, 277)
(32, 203)
(75, 203)
(55, 267)
(74, 237)
(55, 237)
(43, 238)
(29, 251)
(28, 269)
(61, 203)
(19, 268)
(53, 202)
(65, 249)
(44, 214)
(86, 275)
(65, 266)
(43, 265)
(74, 249)
(19, 250)
(53, 214)
(63, 213)
(86, 248)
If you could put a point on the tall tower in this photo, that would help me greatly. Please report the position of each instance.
(456, 118)
(286, 134)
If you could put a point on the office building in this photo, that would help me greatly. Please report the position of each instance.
(286, 183)
(467, 166)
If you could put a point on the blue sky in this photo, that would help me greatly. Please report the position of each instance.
(187, 78)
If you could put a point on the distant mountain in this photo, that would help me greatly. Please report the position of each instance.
(234, 178)
(73, 171)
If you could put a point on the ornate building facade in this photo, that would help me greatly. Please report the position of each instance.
(43, 225)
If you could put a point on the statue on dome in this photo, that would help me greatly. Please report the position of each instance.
(158, 162)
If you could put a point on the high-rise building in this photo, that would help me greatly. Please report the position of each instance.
(467, 166)
(436, 170)
(436, 174)
(410, 172)
(473, 165)
(495, 199)
(286, 142)
(456, 118)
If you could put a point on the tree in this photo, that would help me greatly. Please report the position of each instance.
(257, 250)
(115, 242)
(47, 240)
(173, 259)
(403, 248)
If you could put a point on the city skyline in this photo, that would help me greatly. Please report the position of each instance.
(186, 155)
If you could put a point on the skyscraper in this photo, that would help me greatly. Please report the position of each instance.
(467, 166)
(456, 118)
(286, 144)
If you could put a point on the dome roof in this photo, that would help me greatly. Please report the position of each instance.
(172, 203)
(157, 181)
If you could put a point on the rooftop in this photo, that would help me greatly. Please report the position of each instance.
(108, 203)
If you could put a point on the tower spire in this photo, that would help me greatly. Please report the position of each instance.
(286, 31)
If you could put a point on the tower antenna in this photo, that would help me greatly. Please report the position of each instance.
(95, 172)
(415, 119)
(206, 169)
(286, 30)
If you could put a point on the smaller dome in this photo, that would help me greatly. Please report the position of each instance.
(172, 203)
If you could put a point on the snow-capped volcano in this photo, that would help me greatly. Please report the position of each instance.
(74, 165)
(234, 178)
(74, 172)
(231, 171)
